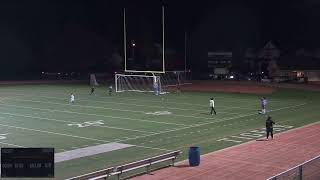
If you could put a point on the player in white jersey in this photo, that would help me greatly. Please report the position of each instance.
(71, 98)
(212, 106)
(110, 90)
(264, 103)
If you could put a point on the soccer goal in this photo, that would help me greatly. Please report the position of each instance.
(175, 78)
(138, 83)
(159, 84)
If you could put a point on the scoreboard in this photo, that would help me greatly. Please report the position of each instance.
(27, 162)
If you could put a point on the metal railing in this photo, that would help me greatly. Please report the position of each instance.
(308, 170)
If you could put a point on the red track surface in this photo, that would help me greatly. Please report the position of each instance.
(251, 161)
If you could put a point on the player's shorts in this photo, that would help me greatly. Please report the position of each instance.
(269, 129)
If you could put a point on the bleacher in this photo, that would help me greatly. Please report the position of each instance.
(123, 169)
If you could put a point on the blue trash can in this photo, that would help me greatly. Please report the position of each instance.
(194, 156)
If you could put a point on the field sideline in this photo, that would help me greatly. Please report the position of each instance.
(41, 116)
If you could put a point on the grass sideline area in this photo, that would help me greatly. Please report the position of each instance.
(41, 116)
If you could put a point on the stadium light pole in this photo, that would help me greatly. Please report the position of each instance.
(125, 39)
(125, 43)
(163, 40)
(185, 53)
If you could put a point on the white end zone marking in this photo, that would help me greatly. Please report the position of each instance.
(88, 151)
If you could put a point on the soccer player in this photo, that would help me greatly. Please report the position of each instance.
(92, 90)
(269, 127)
(72, 98)
(264, 103)
(156, 87)
(212, 106)
(110, 90)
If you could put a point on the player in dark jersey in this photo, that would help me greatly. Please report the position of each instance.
(269, 127)
(92, 90)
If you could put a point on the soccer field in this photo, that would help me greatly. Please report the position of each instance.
(41, 116)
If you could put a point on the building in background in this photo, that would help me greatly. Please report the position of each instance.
(220, 64)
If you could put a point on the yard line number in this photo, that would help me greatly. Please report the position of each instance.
(254, 134)
(159, 113)
(3, 136)
(87, 124)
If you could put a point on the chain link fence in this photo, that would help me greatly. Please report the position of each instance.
(309, 170)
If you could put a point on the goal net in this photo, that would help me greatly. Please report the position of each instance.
(138, 83)
(158, 84)
(174, 78)
(93, 80)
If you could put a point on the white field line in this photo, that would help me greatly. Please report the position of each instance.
(73, 136)
(287, 107)
(113, 109)
(192, 116)
(55, 133)
(216, 96)
(169, 131)
(153, 133)
(216, 127)
(221, 120)
(255, 102)
(74, 122)
(15, 145)
(98, 115)
(157, 101)
(257, 99)
(137, 137)
(130, 104)
(155, 148)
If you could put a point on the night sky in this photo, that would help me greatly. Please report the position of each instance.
(83, 35)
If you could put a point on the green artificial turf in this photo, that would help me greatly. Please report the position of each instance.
(41, 116)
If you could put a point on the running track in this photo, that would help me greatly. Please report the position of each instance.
(254, 160)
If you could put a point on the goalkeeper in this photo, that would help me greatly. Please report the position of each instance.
(156, 87)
